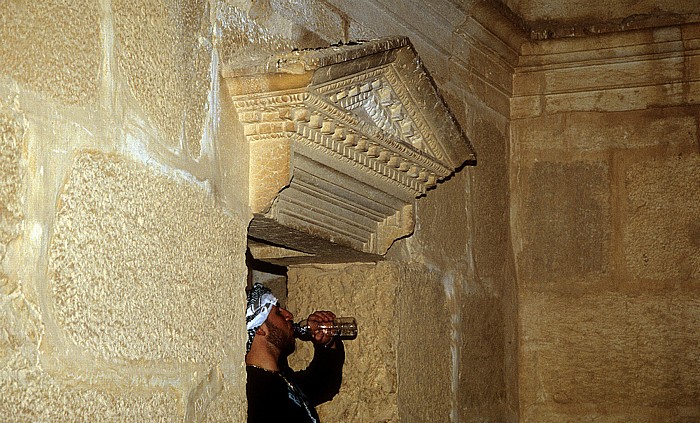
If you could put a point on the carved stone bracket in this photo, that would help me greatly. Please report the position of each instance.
(342, 140)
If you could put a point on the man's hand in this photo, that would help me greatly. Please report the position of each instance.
(321, 324)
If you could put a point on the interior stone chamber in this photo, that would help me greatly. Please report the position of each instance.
(503, 193)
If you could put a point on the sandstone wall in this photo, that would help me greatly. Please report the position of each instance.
(368, 292)
(556, 281)
(605, 209)
(455, 356)
(123, 199)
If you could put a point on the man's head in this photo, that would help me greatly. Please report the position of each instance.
(264, 316)
(279, 330)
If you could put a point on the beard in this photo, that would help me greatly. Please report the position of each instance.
(283, 341)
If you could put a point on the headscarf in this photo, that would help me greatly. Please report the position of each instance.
(260, 302)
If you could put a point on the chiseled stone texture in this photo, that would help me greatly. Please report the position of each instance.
(369, 293)
(131, 242)
(30, 394)
(590, 12)
(468, 261)
(53, 47)
(662, 230)
(426, 345)
(566, 222)
(245, 39)
(315, 16)
(163, 50)
(230, 405)
(611, 357)
(251, 31)
(11, 147)
(484, 353)
(596, 131)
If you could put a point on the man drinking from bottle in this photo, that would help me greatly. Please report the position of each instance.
(275, 392)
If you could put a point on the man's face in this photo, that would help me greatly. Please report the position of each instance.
(280, 331)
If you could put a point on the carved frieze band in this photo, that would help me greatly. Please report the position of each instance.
(392, 145)
(342, 140)
(384, 98)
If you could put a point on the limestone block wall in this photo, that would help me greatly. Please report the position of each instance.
(123, 216)
(605, 209)
(459, 293)
(400, 366)
(455, 271)
(556, 281)
(369, 293)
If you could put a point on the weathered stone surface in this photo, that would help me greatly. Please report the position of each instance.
(611, 116)
(230, 406)
(164, 53)
(342, 139)
(487, 203)
(549, 18)
(314, 16)
(53, 47)
(595, 131)
(464, 283)
(566, 230)
(485, 374)
(272, 158)
(428, 345)
(37, 397)
(607, 74)
(367, 292)
(252, 31)
(32, 394)
(376, 19)
(117, 252)
(662, 226)
(468, 263)
(605, 171)
(632, 355)
(12, 145)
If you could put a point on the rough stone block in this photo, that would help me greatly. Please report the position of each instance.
(594, 131)
(583, 11)
(566, 223)
(29, 393)
(315, 16)
(131, 242)
(610, 349)
(482, 370)
(272, 157)
(250, 33)
(53, 47)
(662, 226)
(487, 203)
(11, 216)
(367, 292)
(164, 52)
(428, 360)
(439, 245)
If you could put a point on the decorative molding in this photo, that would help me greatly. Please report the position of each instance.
(608, 73)
(342, 140)
(617, 71)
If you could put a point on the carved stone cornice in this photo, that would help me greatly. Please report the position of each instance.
(342, 140)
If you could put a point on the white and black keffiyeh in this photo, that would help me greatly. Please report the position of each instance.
(260, 302)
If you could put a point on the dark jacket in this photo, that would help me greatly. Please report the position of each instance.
(291, 397)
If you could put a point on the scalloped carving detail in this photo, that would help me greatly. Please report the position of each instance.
(363, 125)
